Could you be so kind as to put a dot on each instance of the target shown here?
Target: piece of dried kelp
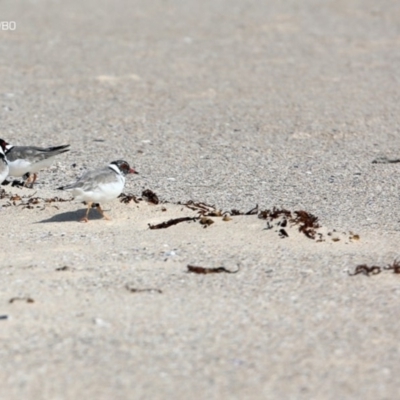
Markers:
(235, 212)
(171, 222)
(64, 268)
(150, 196)
(26, 299)
(202, 270)
(136, 290)
(127, 198)
(386, 160)
(395, 267)
(366, 270)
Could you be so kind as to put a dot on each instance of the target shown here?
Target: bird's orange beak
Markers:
(132, 171)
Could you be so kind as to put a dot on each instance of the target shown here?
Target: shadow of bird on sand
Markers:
(71, 216)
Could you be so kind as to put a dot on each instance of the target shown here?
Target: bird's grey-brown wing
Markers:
(35, 154)
(91, 179)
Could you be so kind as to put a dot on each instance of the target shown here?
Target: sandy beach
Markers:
(221, 107)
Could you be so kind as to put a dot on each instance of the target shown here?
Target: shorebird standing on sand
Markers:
(100, 185)
(26, 161)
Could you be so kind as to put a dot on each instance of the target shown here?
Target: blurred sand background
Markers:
(234, 103)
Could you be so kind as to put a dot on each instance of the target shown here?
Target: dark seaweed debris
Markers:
(395, 267)
(366, 270)
(136, 290)
(307, 222)
(26, 299)
(375, 269)
(386, 160)
(150, 196)
(172, 222)
(127, 198)
(64, 268)
(30, 201)
(202, 270)
(147, 195)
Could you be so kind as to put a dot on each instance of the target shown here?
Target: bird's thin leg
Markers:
(85, 218)
(102, 213)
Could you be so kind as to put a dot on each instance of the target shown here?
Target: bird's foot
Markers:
(100, 210)
(84, 219)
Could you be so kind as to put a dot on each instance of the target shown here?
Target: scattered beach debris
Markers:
(394, 266)
(127, 198)
(147, 195)
(150, 196)
(385, 160)
(366, 270)
(30, 201)
(375, 269)
(307, 223)
(171, 222)
(281, 219)
(26, 299)
(64, 268)
(202, 270)
(136, 290)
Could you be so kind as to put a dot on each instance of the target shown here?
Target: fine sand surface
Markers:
(232, 103)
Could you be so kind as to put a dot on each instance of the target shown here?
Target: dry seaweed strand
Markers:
(172, 222)
(26, 299)
(201, 270)
(64, 268)
(375, 269)
(136, 290)
(366, 270)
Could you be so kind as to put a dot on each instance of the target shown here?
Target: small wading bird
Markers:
(26, 161)
(3, 166)
(100, 185)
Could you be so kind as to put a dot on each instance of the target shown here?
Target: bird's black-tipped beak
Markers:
(132, 171)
